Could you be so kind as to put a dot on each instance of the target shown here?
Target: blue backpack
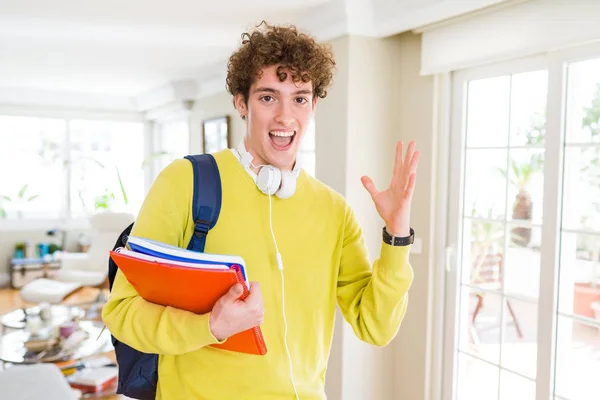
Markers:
(138, 372)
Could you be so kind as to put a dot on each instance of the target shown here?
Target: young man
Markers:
(303, 246)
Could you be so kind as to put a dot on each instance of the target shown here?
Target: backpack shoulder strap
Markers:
(206, 203)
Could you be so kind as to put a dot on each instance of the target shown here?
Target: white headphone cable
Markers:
(280, 267)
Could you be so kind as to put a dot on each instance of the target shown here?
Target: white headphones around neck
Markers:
(270, 180)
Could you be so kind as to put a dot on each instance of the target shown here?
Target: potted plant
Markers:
(522, 208)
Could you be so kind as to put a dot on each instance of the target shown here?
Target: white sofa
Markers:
(81, 269)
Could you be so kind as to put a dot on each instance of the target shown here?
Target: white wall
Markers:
(213, 106)
(331, 125)
(367, 370)
(414, 118)
(379, 98)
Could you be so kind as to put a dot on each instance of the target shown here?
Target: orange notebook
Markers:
(194, 289)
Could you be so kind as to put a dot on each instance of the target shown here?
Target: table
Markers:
(17, 319)
(24, 270)
(12, 349)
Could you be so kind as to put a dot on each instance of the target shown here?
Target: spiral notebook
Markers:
(189, 282)
(173, 253)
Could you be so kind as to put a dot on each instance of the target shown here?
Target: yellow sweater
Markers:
(325, 263)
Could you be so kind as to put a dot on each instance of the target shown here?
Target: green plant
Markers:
(21, 198)
(591, 120)
(522, 207)
(104, 201)
(125, 198)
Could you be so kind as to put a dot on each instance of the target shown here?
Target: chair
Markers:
(81, 269)
(487, 274)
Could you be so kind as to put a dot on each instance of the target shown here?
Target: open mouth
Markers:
(282, 140)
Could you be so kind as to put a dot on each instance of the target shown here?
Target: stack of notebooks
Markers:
(188, 280)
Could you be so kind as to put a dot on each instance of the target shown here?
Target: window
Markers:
(32, 182)
(172, 141)
(523, 301)
(56, 168)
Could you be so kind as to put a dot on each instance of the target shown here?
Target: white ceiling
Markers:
(129, 47)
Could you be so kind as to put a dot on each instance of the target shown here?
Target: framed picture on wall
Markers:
(215, 134)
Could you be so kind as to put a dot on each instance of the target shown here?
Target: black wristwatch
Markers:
(398, 241)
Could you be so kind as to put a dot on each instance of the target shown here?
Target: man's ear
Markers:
(314, 103)
(240, 105)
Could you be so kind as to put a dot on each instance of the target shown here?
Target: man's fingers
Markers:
(415, 161)
(410, 151)
(369, 185)
(254, 292)
(235, 292)
(410, 186)
(398, 159)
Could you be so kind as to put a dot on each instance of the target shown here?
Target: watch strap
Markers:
(398, 240)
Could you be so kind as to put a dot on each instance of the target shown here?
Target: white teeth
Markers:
(282, 134)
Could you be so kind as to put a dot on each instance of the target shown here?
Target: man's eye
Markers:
(301, 100)
(267, 98)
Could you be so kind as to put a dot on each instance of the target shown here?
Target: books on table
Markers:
(188, 280)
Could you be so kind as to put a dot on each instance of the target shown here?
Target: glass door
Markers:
(577, 368)
(523, 279)
(501, 178)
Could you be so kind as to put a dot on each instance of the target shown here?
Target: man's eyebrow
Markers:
(266, 89)
(275, 91)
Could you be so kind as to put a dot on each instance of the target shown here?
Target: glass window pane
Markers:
(519, 348)
(577, 360)
(488, 105)
(515, 387)
(106, 166)
(581, 202)
(485, 183)
(172, 142)
(33, 178)
(215, 133)
(521, 266)
(483, 258)
(480, 324)
(579, 285)
(526, 189)
(583, 102)
(477, 380)
(528, 108)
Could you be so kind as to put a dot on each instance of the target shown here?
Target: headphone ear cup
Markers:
(288, 185)
(268, 179)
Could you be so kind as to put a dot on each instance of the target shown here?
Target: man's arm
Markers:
(373, 299)
(146, 326)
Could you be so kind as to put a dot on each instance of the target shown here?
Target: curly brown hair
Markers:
(305, 58)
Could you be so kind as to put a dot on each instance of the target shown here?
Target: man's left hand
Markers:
(393, 204)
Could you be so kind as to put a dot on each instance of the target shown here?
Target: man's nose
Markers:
(284, 115)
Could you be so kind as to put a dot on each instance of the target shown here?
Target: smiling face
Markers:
(277, 115)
